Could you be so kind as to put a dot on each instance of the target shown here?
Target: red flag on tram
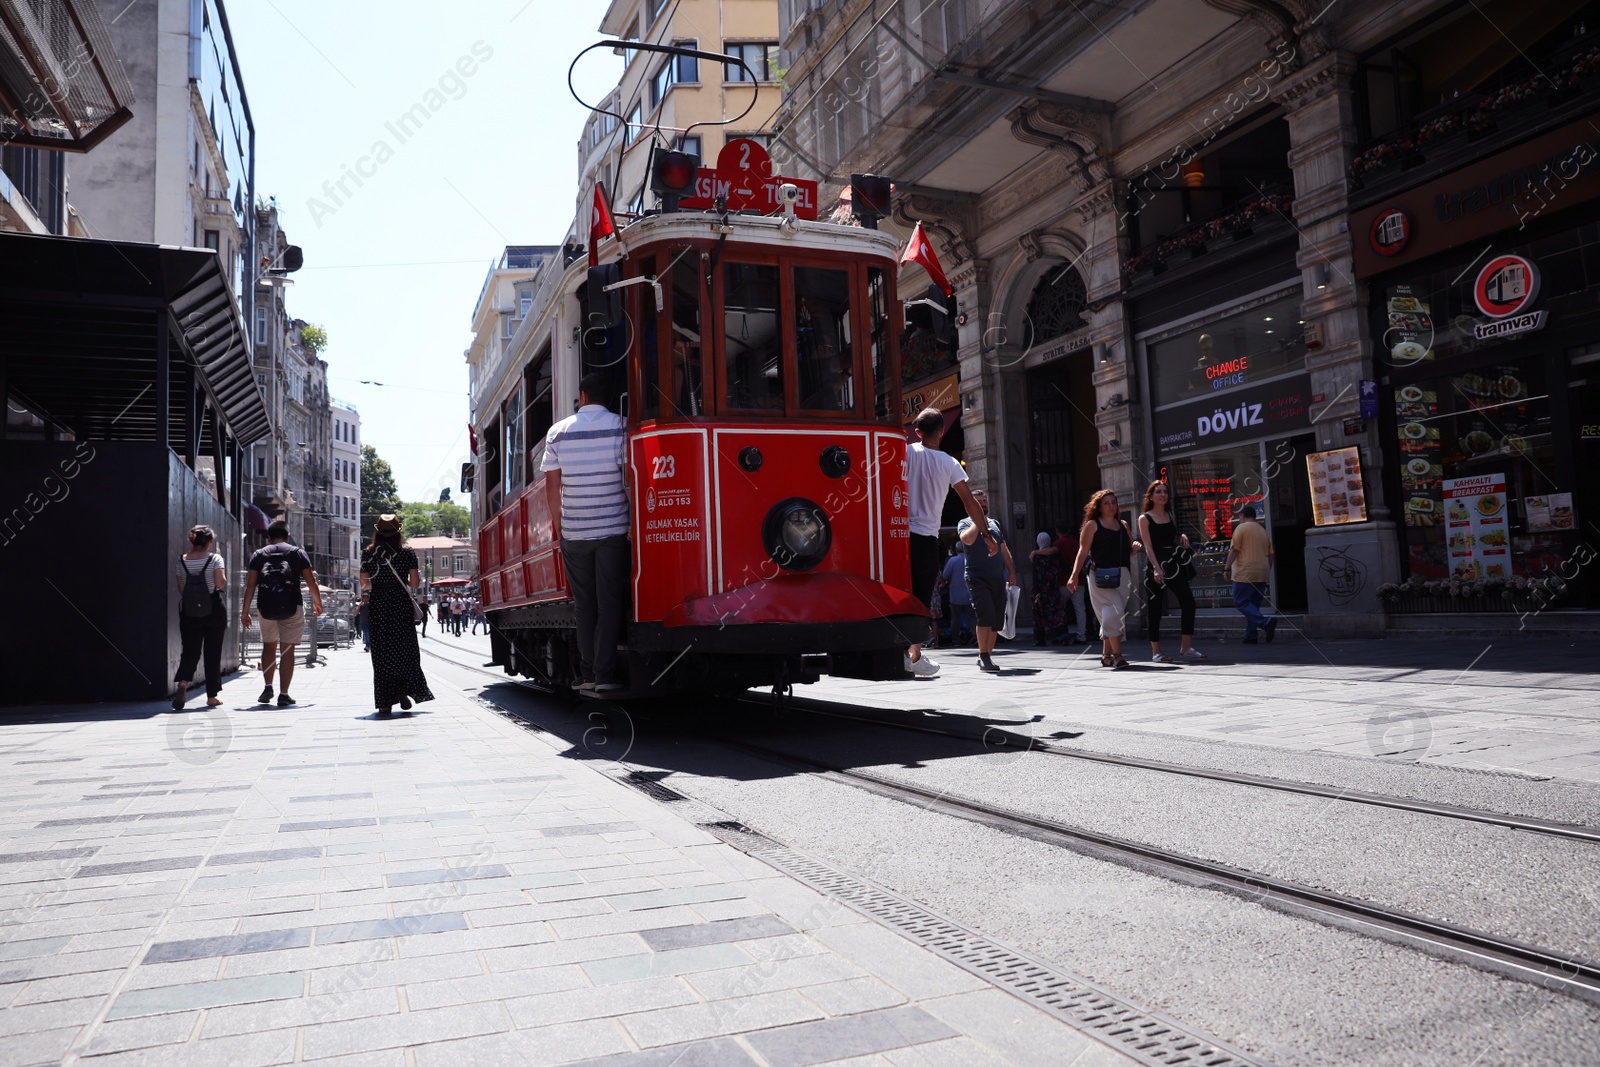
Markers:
(599, 223)
(919, 250)
(472, 437)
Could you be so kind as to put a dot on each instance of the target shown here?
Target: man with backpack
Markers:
(277, 571)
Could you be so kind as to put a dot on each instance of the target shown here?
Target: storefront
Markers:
(1483, 295)
(1231, 422)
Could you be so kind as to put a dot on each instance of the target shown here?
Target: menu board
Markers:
(1550, 513)
(1409, 337)
(1337, 494)
(1421, 467)
(1478, 536)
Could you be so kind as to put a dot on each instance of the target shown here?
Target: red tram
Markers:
(756, 358)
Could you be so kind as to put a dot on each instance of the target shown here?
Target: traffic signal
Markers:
(672, 176)
(869, 198)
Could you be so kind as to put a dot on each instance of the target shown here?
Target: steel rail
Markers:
(1546, 967)
(1570, 831)
(1531, 963)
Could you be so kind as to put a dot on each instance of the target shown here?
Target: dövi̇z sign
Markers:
(1268, 410)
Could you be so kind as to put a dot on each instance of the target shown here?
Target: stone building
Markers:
(1156, 243)
(344, 496)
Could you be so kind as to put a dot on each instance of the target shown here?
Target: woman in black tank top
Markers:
(1167, 550)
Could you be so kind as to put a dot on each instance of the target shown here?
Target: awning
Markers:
(450, 582)
(82, 320)
(61, 83)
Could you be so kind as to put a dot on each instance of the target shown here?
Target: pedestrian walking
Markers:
(202, 575)
(1049, 594)
(442, 610)
(425, 611)
(1108, 545)
(1167, 549)
(1249, 568)
(1074, 602)
(363, 610)
(930, 475)
(988, 575)
(389, 577)
(958, 597)
(458, 613)
(278, 569)
(583, 459)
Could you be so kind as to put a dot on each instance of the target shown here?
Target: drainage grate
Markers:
(652, 788)
(1132, 1030)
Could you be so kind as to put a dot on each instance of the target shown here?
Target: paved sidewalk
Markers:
(264, 886)
(1529, 707)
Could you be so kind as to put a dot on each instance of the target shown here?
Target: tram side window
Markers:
(649, 316)
(822, 339)
(514, 450)
(537, 407)
(684, 399)
(880, 340)
(491, 468)
(753, 345)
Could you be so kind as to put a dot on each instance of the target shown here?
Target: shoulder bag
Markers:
(416, 609)
(1108, 576)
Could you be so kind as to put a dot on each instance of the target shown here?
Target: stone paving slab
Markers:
(256, 886)
(1519, 705)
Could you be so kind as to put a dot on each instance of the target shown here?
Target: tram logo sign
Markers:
(744, 175)
(1504, 290)
(1390, 233)
(1507, 285)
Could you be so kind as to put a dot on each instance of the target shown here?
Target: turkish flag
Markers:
(919, 250)
(599, 223)
(472, 437)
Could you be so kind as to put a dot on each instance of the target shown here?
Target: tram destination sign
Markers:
(744, 175)
(1271, 409)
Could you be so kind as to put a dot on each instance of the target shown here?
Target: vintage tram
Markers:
(755, 358)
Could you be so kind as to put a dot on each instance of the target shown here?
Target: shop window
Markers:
(1056, 304)
(753, 347)
(1240, 350)
(825, 356)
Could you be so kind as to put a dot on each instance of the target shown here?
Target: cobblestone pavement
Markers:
(1514, 705)
(264, 886)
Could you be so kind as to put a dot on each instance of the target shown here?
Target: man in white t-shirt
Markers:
(930, 475)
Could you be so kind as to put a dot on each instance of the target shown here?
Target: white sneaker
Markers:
(922, 668)
(1193, 653)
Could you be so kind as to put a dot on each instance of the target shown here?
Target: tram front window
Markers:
(822, 339)
(684, 398)
(753, 346)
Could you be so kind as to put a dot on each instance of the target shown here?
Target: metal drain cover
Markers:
(1135, 1031)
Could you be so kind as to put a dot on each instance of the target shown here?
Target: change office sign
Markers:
(1271, 409)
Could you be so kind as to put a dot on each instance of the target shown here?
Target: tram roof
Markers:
(751, 229)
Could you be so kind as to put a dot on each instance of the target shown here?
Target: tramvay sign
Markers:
(1274, 409)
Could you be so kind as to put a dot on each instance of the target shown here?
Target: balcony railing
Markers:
(1236, 223)
(1515, 102)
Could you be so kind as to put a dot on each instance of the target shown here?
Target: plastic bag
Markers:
(1013, 600)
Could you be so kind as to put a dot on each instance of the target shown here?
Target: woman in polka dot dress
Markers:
(389, 573)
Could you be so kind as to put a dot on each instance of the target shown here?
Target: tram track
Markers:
(1025, 743)
(1547, 968)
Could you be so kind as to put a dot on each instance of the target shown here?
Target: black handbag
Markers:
(1108, 577)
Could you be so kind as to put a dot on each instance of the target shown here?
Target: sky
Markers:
(393, 267)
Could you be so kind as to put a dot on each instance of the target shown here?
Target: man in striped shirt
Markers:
(583, 462)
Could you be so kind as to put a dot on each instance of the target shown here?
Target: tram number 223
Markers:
(663, 467)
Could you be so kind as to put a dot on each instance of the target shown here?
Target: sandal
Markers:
(1105, 659)
(1122, 664)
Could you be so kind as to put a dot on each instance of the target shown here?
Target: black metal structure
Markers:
(130, 369)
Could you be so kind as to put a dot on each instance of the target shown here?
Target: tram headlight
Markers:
(797, 534)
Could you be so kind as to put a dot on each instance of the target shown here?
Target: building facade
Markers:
(344, 495)
(182, 171)
(1187, 267)
(445, 557)
(670, 100)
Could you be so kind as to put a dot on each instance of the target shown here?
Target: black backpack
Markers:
(197, 599)
(279, 583)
